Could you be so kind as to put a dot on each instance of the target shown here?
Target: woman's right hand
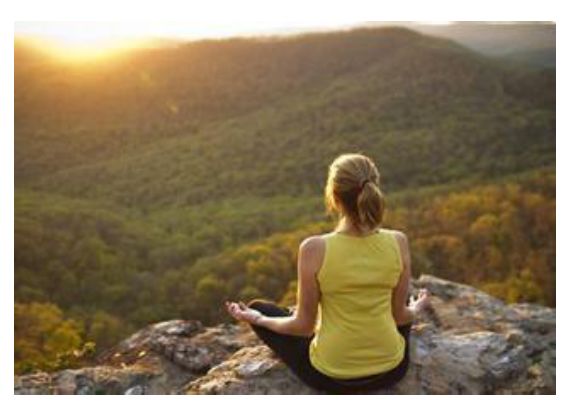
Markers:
(241, 312)
(420, 302)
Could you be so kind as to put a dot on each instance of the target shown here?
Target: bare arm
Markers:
(400, 311)
(302, 322)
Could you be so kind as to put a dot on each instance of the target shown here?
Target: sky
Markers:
(101, 33)
(84, 32)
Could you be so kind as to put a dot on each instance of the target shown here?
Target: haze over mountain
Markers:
(533, 43)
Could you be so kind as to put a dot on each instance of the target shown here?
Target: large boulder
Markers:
(467, 343)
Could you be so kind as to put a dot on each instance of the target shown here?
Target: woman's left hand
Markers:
(241, 312)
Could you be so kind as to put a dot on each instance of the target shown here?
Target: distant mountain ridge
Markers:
(533, 43)
(379, 88)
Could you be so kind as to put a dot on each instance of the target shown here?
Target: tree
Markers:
(44, 338)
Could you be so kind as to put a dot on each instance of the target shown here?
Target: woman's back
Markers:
(351, 293)
(356, 334)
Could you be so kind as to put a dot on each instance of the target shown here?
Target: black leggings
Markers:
(294, 352)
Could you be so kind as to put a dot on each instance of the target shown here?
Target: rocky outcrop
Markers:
(159, 359)
(467, 343)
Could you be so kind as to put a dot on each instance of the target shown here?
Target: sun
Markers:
(81, 42)
(85, 49)
(89, 51)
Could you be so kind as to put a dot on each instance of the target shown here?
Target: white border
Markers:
(282, 14)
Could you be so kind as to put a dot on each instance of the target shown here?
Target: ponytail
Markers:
(353, 190)
(370, 205)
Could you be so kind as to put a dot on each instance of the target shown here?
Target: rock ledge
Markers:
(468, 343)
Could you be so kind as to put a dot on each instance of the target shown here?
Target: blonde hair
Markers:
(353, 190)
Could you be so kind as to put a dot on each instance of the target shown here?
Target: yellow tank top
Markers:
(356, 334)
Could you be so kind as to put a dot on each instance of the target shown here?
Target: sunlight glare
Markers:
(84, 49)
(80, 42)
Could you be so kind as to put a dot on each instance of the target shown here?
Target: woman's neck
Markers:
(345, 226)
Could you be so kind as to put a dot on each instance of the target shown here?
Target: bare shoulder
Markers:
(402, 240)
(313, 244)
(400, 236)
(312, 251)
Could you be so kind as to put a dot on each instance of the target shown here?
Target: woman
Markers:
(357, 277)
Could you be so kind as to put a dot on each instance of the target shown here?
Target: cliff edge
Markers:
(467, 343)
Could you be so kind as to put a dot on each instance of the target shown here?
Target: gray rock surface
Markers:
(159, 359)
(467, 343)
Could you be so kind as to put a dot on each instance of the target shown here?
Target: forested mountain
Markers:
(397, 94)
(157, 183)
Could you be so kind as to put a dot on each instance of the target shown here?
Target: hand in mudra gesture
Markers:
(241, 312)
(420, 302)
